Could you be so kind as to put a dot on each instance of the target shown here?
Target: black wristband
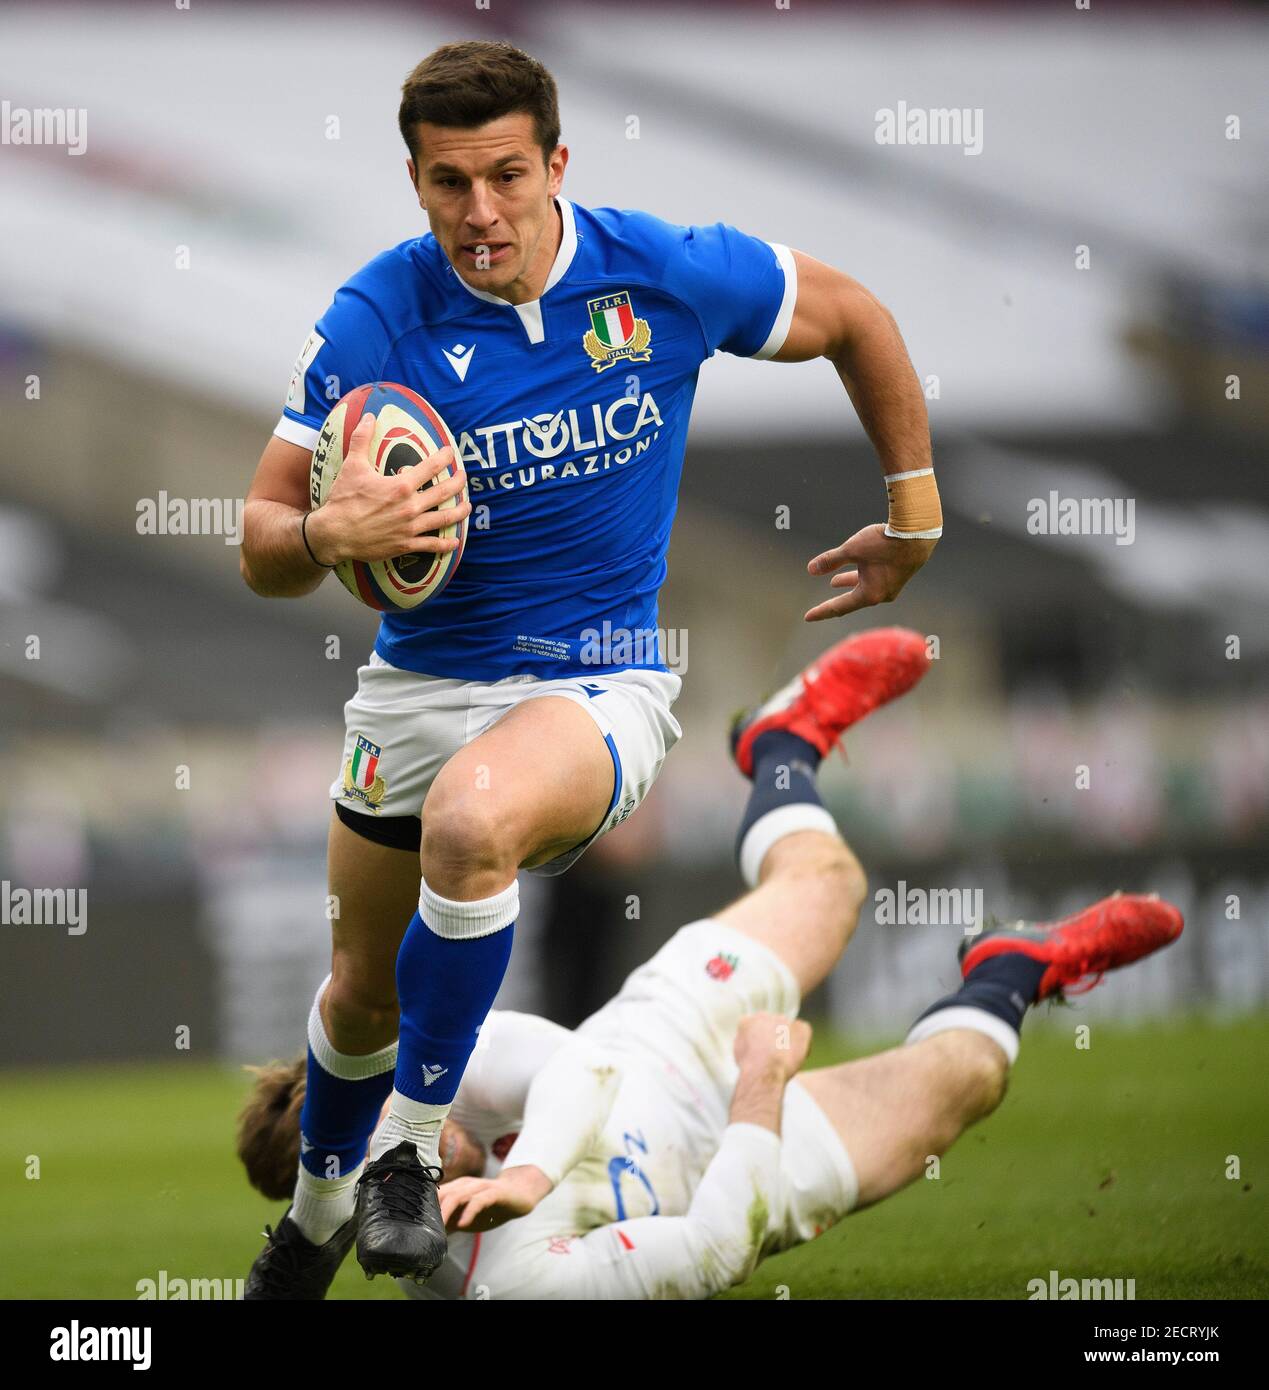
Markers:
(309, 548)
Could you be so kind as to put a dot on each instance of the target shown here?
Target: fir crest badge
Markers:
(615, 335)
(361, 774)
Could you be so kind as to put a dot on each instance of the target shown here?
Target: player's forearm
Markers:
(274, 560)
(874, 366)
(759, 1097)
(566, 1109)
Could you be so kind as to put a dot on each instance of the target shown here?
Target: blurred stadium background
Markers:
(258, 144)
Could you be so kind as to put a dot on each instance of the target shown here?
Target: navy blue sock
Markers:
(784, 768)
(340, 1112)
(448, 973)
(1003, 985)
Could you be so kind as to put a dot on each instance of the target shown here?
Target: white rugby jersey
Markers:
(648, 1202)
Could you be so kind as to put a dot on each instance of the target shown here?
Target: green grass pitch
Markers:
(1103, 1163)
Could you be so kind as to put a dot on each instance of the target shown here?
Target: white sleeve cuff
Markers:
(295, 433)
(784, 317)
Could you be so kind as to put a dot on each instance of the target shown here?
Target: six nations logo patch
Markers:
(615, 335)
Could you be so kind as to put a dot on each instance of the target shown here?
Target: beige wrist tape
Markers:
(915, 510)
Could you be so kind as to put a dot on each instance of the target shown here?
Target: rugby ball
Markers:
(407, 430)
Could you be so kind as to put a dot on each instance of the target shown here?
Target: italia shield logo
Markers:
(361, 774)
(615, 334)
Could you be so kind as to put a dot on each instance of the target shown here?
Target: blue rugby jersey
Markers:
(571, 415)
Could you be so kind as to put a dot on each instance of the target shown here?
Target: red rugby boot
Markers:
(1110, 934)
(851, 679)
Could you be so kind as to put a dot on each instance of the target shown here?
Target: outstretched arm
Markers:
(835, 317)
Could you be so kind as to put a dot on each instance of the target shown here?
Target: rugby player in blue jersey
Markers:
(524, 711)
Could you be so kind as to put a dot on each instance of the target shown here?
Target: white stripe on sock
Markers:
(966, 1016)
(344, 1065)
(463, 921)
(774, 826)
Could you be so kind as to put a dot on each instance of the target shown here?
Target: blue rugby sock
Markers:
(449, 969)
(343, 1095)
(993, 1000)
(784, 798)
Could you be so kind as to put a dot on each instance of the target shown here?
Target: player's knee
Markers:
(469, 829)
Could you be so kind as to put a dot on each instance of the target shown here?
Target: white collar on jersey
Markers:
(531, 313)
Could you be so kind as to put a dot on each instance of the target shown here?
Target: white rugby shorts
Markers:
(683, 1008)
(401, 728)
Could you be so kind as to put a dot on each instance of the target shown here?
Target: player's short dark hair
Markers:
(468, 84)
(269, 1128)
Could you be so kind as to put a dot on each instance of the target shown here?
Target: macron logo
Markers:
(433, 1072)
(459, 357)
